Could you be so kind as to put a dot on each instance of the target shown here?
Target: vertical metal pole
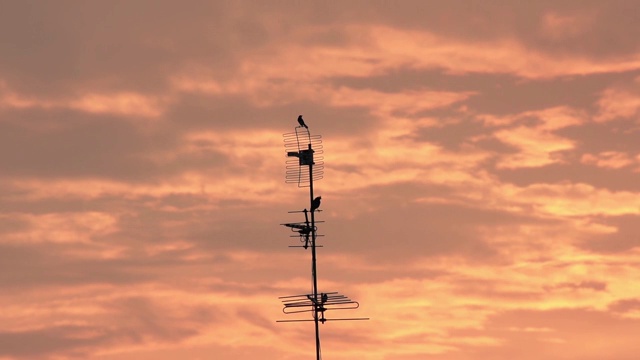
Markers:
(313, 257)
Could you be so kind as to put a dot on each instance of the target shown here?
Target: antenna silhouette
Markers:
(307, 149)
(306, 168)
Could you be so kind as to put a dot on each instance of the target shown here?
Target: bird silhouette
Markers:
(315, 204)
(301, 122)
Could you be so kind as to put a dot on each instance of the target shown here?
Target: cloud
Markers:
(564, 26)
(122, 103)
(626, 307)
(621, 101)
(609, 159)
(128, 322)
(538, 143)
(479, 195)
(59, 228)
(575, 199)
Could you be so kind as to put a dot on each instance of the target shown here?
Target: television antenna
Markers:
(304, 166)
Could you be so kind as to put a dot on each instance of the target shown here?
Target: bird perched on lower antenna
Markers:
(315, 204)
(301, 122)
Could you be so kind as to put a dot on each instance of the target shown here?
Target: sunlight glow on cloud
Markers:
(122, 103)
(502, 56)
(536, 147)
(575, 199)
(557, 26)
(538, 144)
(60, 228)
(616, 103)
(610, 159)
(480, 190)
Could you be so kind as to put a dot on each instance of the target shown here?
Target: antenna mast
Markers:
(306, 167)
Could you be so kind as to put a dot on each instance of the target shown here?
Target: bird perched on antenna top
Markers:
(315, 204)
(301, 122)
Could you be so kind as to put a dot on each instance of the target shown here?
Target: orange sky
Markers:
(480, 195)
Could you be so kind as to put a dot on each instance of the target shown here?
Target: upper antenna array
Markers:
(308, 151)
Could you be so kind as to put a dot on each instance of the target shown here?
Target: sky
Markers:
(480, 194)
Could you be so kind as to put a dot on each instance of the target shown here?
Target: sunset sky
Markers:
(481, 192)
